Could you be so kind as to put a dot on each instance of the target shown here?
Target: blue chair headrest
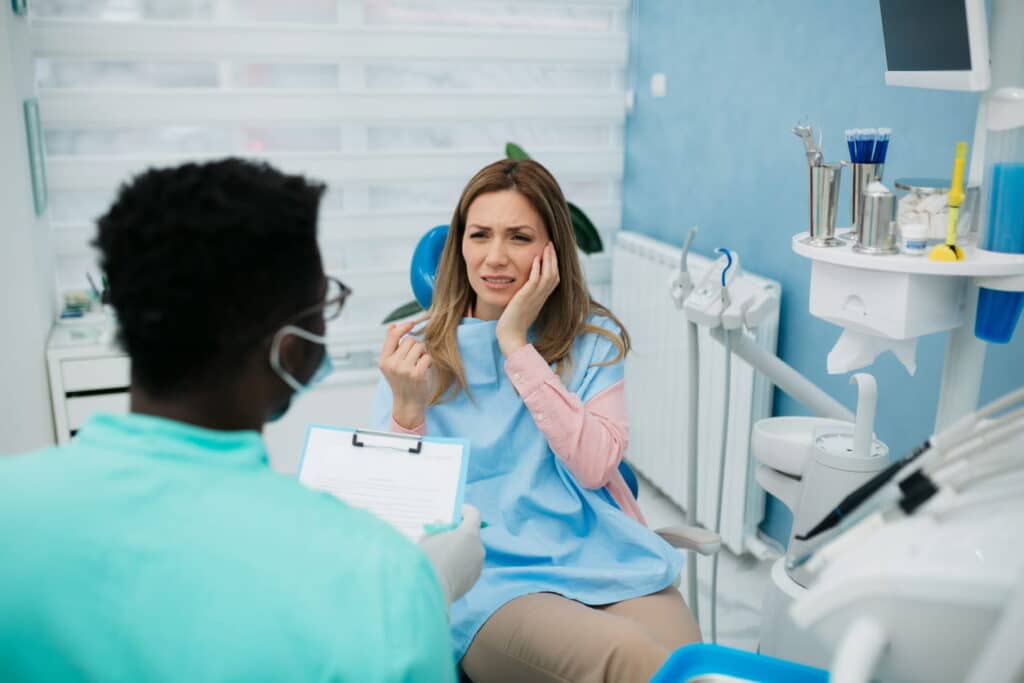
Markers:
(425, 259)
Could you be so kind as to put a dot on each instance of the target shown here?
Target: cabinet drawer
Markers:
(80, 408)
(89, 374)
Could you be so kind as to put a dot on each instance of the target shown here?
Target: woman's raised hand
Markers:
(526, 305)
(404, 361)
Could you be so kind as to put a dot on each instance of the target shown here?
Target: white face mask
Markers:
(326, 365)
(330, 309)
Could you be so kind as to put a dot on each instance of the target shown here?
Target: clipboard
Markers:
(408, 481)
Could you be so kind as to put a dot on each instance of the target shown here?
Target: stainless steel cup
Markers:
(877, 228)
(863, 175)
(824, 198)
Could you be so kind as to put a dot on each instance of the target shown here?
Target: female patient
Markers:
(517, 358)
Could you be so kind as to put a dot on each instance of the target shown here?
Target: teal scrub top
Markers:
(151, 550)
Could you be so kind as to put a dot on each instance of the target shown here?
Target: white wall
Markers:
(26, 269)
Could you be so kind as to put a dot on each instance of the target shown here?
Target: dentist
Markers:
(159, 545)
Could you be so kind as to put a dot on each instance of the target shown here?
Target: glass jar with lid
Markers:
(924, 201)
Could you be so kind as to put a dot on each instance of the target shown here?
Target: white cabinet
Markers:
(89, 374)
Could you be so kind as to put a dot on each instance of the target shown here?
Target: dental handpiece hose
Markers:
(721, 483)
(692, 348)
(685, 285)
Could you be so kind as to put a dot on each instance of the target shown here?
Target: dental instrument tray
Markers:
(899, 296)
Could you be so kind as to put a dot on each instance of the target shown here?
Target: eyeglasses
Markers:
(334, 299)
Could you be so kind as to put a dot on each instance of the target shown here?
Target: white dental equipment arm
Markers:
(867, 396)
(709, 305)
(728, 304)
(1002, 658)
(952, 505)
(785, 377)
(742, 303)
(681, 283)
(858, 653)
(946, 447)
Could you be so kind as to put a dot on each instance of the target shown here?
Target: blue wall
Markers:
(718, 152)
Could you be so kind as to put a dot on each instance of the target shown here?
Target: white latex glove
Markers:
(457, 555)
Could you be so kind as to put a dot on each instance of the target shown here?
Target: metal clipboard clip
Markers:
(417, 449)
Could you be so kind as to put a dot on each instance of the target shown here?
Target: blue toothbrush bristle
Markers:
(880, 150)
(868, 145)
(883, 145)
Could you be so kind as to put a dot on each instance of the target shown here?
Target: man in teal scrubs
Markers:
(160, 545)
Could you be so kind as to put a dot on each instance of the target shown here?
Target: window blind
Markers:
(393, 103)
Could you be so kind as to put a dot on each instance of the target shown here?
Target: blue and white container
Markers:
(999, 311)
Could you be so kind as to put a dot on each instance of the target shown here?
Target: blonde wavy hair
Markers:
(564, 315)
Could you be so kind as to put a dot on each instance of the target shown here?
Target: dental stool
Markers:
(422, 276)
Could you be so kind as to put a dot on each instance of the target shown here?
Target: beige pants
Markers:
(546, 637)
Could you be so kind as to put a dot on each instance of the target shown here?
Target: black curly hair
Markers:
(203, 262)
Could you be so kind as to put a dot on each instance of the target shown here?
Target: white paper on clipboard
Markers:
(377, 472)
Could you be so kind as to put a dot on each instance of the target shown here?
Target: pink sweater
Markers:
(590, 438)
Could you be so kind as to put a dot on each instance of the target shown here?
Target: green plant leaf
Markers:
(403, 311)
(587, 237)
(515, 152)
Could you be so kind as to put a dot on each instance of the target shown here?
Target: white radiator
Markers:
(656, 390)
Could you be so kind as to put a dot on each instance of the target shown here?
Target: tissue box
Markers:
(890, 304)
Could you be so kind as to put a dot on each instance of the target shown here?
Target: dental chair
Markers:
(423, 275)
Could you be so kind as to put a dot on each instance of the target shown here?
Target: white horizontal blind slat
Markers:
(63, 38)
(340, 229)
(75, 173)
(84, 108)
(544, 13)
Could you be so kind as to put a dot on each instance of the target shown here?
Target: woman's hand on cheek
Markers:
(526, 305)
(404, 362)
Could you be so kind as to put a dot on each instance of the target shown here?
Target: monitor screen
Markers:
(926, 35)
(935, 43)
